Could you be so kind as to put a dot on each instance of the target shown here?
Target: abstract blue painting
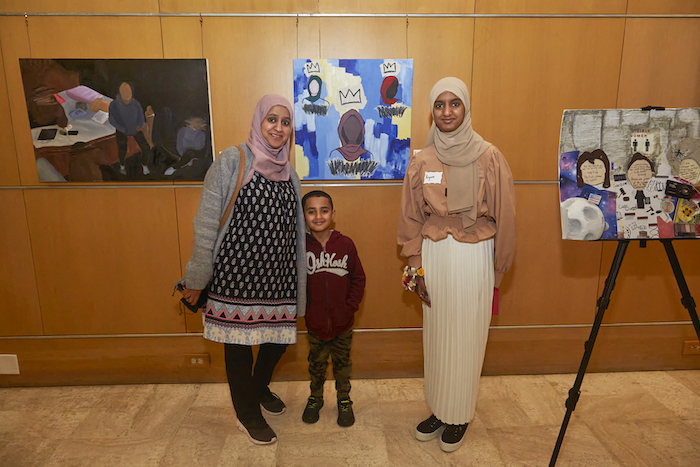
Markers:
(352, 118)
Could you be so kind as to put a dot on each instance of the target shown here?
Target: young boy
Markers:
(336, 284)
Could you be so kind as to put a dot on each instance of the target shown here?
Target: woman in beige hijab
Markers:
(457, 229)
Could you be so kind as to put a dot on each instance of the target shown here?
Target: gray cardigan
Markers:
(219, 185)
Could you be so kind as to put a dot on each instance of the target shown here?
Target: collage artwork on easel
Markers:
(630, 174)
(352, 118)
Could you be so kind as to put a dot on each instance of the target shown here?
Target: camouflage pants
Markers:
(339, 350)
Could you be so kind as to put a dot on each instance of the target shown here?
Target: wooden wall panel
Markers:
(395, 6)
(673, 7)
(552, 281)
(83, 6)
(9, 172)
(182, 37)
(308, 38)
(522, 73)
(187, 200)
(646, 288)
(527, 71)
(19, 312)
(248, 58)
(661, 63)
(105, 259)
(239, 6)
(15, 45)
(100, 37)
(369, 216)
(363, 38)
(431, 63)
(552, 6)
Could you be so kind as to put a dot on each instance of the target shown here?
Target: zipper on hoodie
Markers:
(325, 295)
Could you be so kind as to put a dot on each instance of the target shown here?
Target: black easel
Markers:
(603, 301)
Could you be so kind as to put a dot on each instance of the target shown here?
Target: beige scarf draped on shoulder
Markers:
(460, 150)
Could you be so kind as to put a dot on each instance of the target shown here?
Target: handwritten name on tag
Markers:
(432, 178)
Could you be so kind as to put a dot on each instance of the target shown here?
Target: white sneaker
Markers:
(169, 171)
(145, 170)
(122, 170)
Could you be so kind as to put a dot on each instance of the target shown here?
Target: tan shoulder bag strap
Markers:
(239, 182)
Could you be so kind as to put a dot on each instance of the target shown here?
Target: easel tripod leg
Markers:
(686, 298)
(603, 303)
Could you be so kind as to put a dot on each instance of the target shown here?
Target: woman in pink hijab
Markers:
(254, 263)
(457, 229)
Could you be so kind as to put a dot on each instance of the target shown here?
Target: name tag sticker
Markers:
(432, 178)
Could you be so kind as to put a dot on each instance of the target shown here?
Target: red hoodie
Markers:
(335, 286)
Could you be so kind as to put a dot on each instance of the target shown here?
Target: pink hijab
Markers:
(271, 163)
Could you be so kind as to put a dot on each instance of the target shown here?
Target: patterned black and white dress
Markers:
(253, 293)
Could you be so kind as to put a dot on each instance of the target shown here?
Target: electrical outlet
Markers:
(691, 348)
(9, 365)
(197, 360)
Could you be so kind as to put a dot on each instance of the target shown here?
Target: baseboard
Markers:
(376, 354)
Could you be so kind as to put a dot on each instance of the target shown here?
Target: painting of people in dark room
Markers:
(112, 120)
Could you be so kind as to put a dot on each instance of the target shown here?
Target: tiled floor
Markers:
(628, 419)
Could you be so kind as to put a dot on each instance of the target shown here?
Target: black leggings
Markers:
(248, 384)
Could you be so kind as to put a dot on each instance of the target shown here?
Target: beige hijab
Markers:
(459, 149)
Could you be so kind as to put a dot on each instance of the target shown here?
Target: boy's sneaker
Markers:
(452, 437)
(313, 406)
(272, 404)
(345, 415)
(263, 435)
(429, 429)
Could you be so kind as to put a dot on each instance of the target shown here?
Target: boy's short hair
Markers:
(316, 194)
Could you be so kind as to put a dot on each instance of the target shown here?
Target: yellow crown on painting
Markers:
(350, 97)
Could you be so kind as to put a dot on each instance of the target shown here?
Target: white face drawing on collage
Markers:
(689, 170)
(639, 173)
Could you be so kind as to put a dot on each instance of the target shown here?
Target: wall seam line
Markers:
(471, 78)
(34, 261)
(359, 331)
(162, 42)
(12, 123)
(29, 41)
(622, 56)
(179, 254)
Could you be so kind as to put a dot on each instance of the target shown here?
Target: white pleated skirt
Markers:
(459, 278)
